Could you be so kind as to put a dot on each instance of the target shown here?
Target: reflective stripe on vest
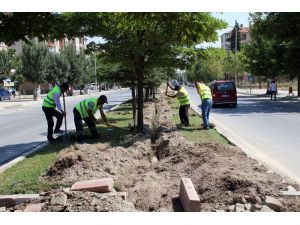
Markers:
(184, 98)
(82, 107)
(205, 92)
(48, 100)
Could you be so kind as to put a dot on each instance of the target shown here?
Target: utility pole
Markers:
(235, 50)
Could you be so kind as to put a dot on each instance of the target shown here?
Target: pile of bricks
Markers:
(104, 185)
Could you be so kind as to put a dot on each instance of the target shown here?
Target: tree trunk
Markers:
(151, 92)
(133, 105)
(147, 94)
(140, 85)
(35, 92)
(259, 81)
(71, 92)
(298, 84)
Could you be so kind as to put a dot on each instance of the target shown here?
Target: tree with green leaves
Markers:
(282, 30)
(75, 65)
(210, 66)
(148, 38)
(55, 66)
(8, 61)
(234, 65)
(32, 60)
(235, 38)
(15, 26)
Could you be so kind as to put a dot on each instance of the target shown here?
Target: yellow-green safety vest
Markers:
(184, 98)
(205, 92)
(49, 100)
(82, 107)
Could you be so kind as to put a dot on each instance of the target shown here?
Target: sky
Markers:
(230, 18)
(240, 17)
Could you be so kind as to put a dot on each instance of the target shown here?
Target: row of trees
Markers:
(146, 47)
(40, 65)
(145, 42)
(274, 51)
(217, 64)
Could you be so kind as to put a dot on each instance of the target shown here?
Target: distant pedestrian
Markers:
(184, 102)
(13, 93)
(273, 90)
(206, 99)
(291, 91)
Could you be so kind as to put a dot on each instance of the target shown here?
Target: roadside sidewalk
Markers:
(255, 91)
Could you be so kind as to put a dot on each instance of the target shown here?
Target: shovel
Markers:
(66, 131)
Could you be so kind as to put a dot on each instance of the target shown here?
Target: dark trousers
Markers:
(273, 93)
(79, 126)
(184, 114)
(50, 113)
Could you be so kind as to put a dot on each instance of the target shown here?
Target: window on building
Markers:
(243, 36)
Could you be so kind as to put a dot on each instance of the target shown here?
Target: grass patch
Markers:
(194, 132)
(24, 177)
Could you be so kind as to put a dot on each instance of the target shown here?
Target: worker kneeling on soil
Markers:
(184, 101)
(85, 110)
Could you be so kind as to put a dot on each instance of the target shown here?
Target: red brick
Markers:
(13, 200)
(34, 207)
(99, 185)
(188, 196)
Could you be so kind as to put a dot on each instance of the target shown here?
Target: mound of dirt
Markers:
(66, 160)
(222, 175)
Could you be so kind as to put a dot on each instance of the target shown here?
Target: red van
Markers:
(223, 93)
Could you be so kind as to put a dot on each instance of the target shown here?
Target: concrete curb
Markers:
(248, 148)
(23, 156)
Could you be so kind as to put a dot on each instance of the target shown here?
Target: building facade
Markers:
(245, 37)
(28, 87)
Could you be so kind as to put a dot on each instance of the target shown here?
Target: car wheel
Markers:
(213, 106)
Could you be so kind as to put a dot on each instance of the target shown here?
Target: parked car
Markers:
(223, 93)
(4, 94)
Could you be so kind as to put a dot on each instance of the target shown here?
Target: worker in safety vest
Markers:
(85, 110)
(184, 102)
(206, 99)
(50, 102)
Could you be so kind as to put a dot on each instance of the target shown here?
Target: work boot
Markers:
(51, 140)
(95, 136)
(58, 131)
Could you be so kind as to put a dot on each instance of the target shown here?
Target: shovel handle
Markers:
(65, 114)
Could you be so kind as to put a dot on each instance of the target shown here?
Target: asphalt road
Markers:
(23, 128)
(267, 130)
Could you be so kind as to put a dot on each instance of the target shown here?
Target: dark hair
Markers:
(65, 86)
(177, 87)
(104, 98)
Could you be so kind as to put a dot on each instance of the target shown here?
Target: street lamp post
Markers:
(96, 74)
(235, 50)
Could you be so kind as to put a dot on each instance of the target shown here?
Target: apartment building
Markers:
(245, 37)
